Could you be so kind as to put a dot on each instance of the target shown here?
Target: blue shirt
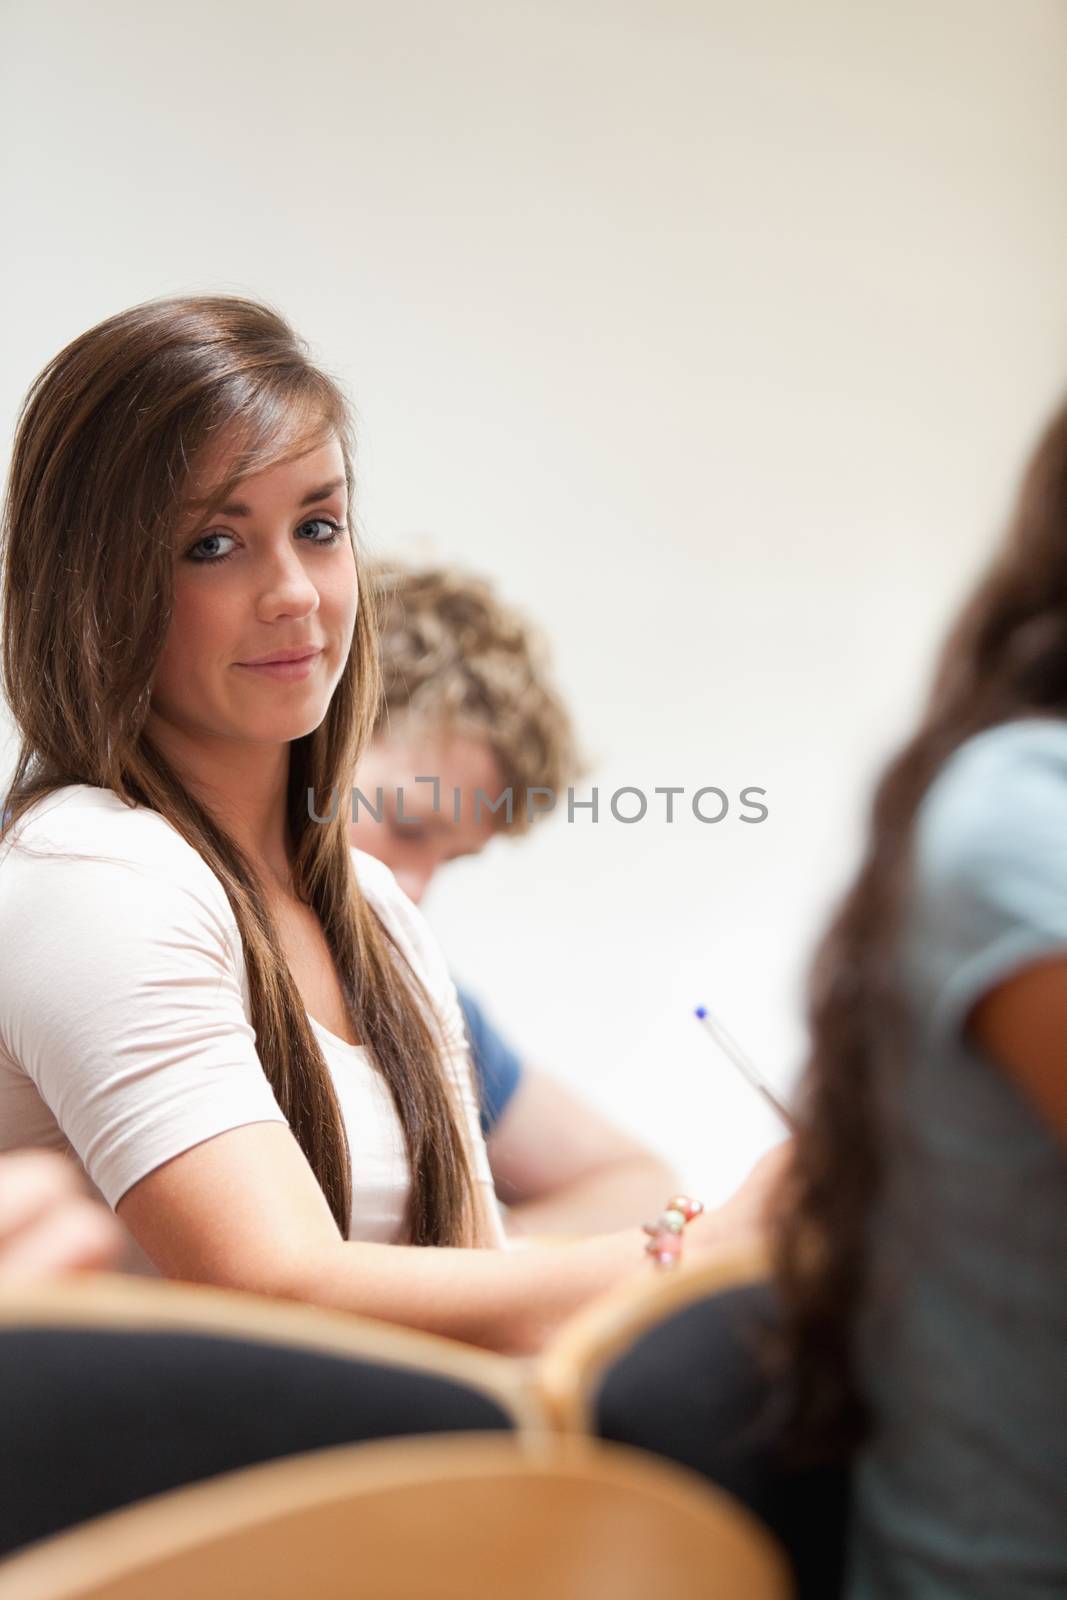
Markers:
(961, 1493)
(497, 1066)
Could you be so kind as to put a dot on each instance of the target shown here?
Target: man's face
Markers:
(417, 848)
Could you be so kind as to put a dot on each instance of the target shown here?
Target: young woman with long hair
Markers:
(922, 1243)
(240, 1027)
(894, 1402)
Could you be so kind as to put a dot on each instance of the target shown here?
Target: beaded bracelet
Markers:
(665, 1243)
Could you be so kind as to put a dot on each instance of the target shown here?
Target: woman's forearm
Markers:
(630, 1190)
(243, 1211)
(508, 1301)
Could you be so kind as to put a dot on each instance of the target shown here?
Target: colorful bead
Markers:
(666, 1250)
(665, 1234)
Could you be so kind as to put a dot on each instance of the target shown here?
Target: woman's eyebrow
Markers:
(238, 508)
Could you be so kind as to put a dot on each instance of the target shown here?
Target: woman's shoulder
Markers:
(81, 822)
(998, 762)
(1001, 795)
(1006, 744)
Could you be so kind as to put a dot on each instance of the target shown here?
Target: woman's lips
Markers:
(284, 671)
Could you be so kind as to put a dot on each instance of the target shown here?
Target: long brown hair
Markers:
(103, 454)
(1005, 658)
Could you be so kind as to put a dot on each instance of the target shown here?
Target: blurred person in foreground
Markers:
(908, 1441)
(924, 1227)
(923, 1241)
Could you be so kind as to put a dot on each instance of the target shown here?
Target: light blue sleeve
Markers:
(990, 868)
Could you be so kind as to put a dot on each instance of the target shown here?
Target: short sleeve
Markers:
(990, 867)
(120, 999)
(497, 1066)
(415, 939)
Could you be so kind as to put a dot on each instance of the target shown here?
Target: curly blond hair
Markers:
(457, 659)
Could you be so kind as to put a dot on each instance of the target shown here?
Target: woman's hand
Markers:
(47, 1224)
(743, 1218)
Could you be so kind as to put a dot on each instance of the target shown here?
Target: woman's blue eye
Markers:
(212, 557)
(324, 522)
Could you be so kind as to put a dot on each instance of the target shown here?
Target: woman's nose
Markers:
(287, 589)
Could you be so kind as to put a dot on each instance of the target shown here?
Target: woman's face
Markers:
(412, 838)
(270, 575)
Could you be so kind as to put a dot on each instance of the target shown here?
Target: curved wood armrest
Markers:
(126, 1303)
(573, 1359)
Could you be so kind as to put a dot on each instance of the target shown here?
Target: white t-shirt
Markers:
(125, 1018)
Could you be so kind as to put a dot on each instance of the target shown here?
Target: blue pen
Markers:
(745, 1066)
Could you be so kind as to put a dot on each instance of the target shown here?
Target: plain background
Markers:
(716, 333)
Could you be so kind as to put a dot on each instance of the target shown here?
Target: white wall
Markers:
(716, 332)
